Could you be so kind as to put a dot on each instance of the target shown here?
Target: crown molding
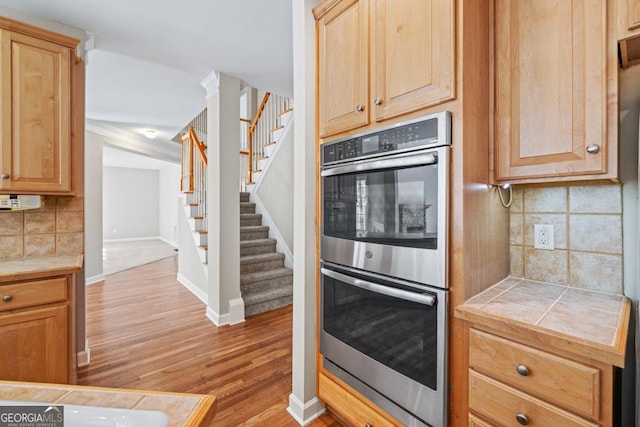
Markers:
(211, 84)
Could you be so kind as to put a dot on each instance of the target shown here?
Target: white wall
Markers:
(130, 203)
(169, 193)
(191, 272)
(275, 189)
(304, 405)
(93, 208)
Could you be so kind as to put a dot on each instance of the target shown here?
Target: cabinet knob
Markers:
(359, 107)
(593, 148)
(7, 298)
(377, 101)
(4, 175)
(368, 425)
(522, 419)
(522, 370)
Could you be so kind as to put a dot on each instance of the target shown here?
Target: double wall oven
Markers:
(383, 256)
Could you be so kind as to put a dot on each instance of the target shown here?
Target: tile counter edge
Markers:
(17, 269)
(611, 353)
(203, 412)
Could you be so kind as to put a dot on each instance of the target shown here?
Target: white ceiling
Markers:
(150, 56)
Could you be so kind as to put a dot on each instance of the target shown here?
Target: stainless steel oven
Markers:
(383, 308)
(384, 200)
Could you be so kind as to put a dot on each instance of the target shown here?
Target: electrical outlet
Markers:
(543, 236)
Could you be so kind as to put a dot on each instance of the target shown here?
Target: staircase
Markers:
(265, 283)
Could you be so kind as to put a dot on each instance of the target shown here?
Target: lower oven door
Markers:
(388, 335)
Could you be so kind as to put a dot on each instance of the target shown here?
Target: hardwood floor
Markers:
(147, 332)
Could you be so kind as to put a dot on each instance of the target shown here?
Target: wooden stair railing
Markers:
(252, 161)
(259, 133)
(193, 180)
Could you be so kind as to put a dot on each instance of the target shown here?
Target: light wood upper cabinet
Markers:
(343, 67)
(628, 18)
(36, 114)
(555, 91)
(379, 59)
(412, 55)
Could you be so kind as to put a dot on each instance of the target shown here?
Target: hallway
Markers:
(146, 331)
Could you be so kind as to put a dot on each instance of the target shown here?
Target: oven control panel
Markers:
(424, 132)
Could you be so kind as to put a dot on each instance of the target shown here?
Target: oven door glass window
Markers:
(397, 333)
(393, 206)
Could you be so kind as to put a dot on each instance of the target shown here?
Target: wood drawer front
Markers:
(567, 383)
(28, 294)
(477, 422)
(501, 404)
(349, 406)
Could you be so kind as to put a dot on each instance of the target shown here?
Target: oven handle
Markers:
(401, 160)
(424, 299)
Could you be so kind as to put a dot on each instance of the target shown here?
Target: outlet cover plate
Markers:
(543, 237)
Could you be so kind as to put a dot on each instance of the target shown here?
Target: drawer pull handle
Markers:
(522, 370)
(593, 148)
(522, 419)
(7, 298)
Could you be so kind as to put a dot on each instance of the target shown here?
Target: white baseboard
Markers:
(168, 242)
(304, 413)
(236, 311)
(84, 356)
(217, 319)
(134, 239)
(199, 293)
(94, 279)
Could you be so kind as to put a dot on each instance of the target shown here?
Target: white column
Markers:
(304, 405)
(224, 305)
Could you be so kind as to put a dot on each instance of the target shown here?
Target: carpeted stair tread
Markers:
(252, 228)
(268, 306)
(260, 276)
(257, 246)
(244, 197)
(267, 295)
(251, 215)
(253, 232)
(250, 259)
(258, 242)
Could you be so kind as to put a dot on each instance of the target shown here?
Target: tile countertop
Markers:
(181, 409)
(37, 267)
(588, 323)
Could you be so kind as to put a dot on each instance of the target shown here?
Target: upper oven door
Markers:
(388, 215)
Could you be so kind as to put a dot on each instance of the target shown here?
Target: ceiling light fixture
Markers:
(150, 133)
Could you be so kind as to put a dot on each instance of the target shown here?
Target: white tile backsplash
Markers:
(587, 223)
(595, 199)
(552, 199)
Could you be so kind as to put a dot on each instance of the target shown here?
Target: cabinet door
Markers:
(628, 18)
(550, 88)
(36, 133)
(412, 63)
(343, 69)
(34, 345)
